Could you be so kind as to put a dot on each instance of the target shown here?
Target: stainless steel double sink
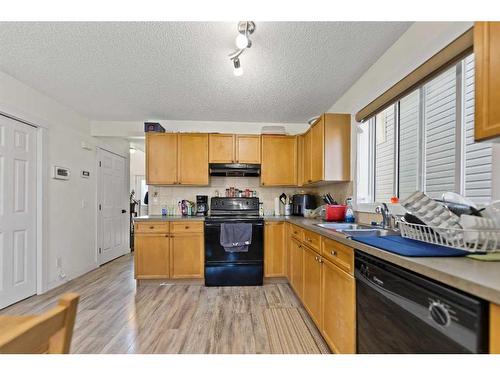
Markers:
(356, 229)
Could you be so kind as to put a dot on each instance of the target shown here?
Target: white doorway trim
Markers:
(123, 205)
(41, 193)
(40, 204)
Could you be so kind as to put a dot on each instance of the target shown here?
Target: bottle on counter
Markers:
(349, 213)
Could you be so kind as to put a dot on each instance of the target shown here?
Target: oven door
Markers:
(214, 252)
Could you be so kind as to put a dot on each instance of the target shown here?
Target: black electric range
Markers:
(223, 268)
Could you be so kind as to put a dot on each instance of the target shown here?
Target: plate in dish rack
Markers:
(433, 214)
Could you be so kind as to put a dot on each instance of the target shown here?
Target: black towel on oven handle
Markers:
(235, 237)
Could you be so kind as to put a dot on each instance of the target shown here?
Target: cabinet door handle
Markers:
(333, 252)
(151, 227)
(167, 235)
(320, 260)
(186, 227)
(317, 259)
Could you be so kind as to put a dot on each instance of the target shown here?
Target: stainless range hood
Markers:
(234, 170)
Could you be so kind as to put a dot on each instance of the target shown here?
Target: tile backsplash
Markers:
(160, 196)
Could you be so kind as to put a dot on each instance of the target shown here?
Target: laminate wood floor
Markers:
(115, 316)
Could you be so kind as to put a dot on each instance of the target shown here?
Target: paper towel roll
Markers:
(276, 206)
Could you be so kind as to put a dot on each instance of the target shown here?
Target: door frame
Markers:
(98, 192)
(41, 164)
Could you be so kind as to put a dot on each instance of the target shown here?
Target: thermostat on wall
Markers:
(61, 173)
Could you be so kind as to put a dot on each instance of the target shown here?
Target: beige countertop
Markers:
(472, 276)
(476, 277)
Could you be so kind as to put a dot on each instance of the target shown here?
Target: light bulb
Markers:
(238, 70)
(241, 41)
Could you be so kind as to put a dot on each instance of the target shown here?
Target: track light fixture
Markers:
(245, 28)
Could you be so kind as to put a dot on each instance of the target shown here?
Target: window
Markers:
(425, 142)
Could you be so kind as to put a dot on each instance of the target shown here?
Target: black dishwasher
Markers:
(398, 311)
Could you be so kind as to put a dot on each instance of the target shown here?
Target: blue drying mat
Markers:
(409, 248)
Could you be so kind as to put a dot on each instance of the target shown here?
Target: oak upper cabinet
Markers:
(494, 329)
(317, 154)
(312, 284)
(300, 159)
(487, 80)
(161, 158)
(306, 162)
(221, 148)
(327, 149)
(274, 249)
(297, 267)
(193, 159)
(151, 251)
(338, 311)
(247, 149)
(279, 160)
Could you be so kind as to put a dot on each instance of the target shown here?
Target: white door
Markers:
(17, 211)
(113, 211)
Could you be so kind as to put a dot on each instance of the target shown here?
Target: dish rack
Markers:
(471, 240)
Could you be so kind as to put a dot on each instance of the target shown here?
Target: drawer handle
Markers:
(151, 227)
(167, 235)
(333, 252)
(186, 227)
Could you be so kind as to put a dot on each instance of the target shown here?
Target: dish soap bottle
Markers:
(349, 213)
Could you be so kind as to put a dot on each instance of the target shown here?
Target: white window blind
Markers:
(427, 144)
(409, 133)
(384, 155)
(478, 156)
(440, 135)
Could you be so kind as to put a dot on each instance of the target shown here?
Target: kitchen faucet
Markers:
(386, 215)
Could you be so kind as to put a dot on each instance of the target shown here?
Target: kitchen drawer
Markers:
(186, 227)
(313, 240)
(297, 232)
(151, 227)
(339, 254)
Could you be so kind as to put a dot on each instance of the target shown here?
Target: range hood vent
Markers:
(234, 170)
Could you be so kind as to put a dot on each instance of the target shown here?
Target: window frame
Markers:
(460, 145)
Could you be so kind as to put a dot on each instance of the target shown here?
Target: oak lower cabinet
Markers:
(152, 256)
(338, 311)
(312, 284)
(187, 256)
(494, 328)
(169, 250)
(279, 160)
(297, 267)
(487, 80)
(274, 249)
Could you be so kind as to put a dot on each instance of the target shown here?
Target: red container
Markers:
(335, 212)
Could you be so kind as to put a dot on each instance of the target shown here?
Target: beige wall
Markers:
(170, 195)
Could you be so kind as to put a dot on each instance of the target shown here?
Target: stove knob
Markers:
(439, 314)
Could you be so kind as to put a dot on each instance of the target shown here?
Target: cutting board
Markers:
(409, 248)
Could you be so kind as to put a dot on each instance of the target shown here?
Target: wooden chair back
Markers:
(50, 332)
